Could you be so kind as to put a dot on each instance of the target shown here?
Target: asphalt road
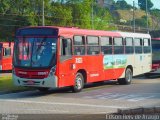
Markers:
(98, 98)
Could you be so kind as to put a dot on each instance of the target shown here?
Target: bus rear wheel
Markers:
(79, 83)
(128, 77)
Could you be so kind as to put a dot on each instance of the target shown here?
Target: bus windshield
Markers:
(35, 52)
(156, 50)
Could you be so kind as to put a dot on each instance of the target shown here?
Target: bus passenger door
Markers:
(66, 76)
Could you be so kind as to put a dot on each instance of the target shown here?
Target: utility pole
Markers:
(147, 15)
(43, 22)
(92, 16)
(133, 16)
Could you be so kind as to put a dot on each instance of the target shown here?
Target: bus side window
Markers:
(138, 45)
(146, 45)
(129, 48)
(7, 51)
(106, 45)
(118, 46)
(66, 49)
(93, 45)
(79, 45)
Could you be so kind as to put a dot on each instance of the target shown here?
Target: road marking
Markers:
(140, 98)
(58, 103)
(20, 92)
(119, 96)
(28, 109)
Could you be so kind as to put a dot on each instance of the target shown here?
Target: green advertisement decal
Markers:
(116, 61)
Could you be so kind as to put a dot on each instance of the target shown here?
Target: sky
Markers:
(156, 3)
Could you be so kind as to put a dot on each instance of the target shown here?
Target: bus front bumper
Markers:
(49, 82)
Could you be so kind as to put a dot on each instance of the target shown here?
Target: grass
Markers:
(6, 85)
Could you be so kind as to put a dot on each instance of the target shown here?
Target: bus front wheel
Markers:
(79, 83)
(128, 77)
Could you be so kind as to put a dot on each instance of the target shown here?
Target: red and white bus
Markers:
(54, 57)
(6, 51)
(155, 56)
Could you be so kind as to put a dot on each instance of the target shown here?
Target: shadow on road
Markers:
(59, 91)
(152, 76)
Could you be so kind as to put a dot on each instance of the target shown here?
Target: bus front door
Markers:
(66, 77)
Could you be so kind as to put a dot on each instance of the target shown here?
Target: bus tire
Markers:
(43, 89)
(79, 83)
(128, 77)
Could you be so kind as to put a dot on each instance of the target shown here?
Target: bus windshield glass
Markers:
(156, 50)
(35, 52)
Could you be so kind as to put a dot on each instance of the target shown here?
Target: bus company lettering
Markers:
(94, 75)
(21, 72)
(79, 60)
(42, 73)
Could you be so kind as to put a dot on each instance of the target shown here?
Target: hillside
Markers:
(125, 17)
(128, 14)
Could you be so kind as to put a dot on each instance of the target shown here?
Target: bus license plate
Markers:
(30, 82)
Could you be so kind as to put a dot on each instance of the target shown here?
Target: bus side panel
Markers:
(138, 66)
(66, 73)
(114, 66)
(147, 62)
(109, 72)
(93, 66)
(7, 63)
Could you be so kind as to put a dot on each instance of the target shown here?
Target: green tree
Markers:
(142, 4)
(81, 12)
(59, 15)
(20, 13)
(122, 5)
(102, 18)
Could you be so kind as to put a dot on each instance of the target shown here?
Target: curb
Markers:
(140, 110)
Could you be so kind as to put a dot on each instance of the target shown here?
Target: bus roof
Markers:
(6, 43)
(135, 35)
(155, 38)
(78, 31)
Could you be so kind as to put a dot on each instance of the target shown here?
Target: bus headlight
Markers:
(52, 71)
(0, 67)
